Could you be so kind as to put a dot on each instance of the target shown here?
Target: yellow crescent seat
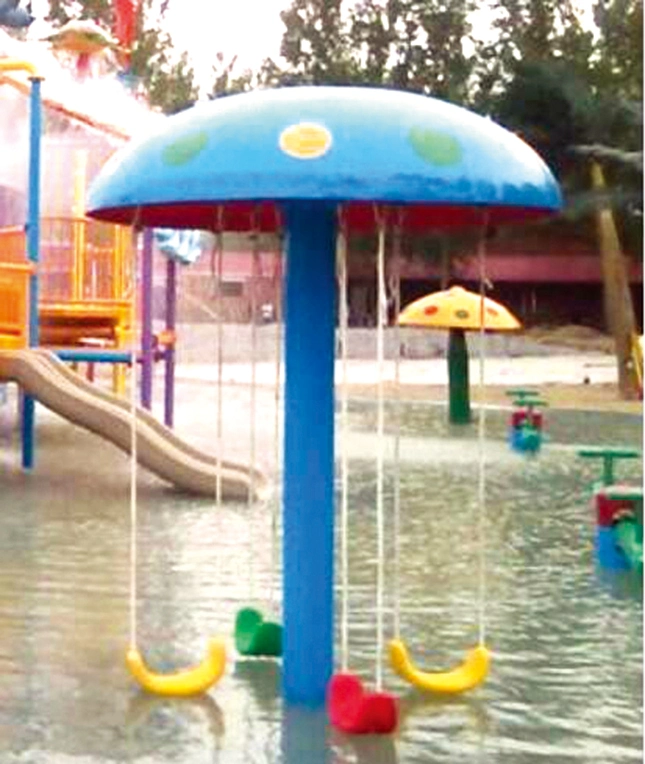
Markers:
(192, 681)
(469, 674)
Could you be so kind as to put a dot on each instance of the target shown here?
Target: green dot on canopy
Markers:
(185, 149)
(435, 146)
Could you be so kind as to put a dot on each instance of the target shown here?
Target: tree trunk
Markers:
(619, 309)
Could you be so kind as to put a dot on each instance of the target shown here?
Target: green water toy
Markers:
(619, 512)
(522, 394)
(629, 537)
(609, 456)
(254, 636)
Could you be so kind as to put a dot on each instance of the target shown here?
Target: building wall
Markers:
(556, 283)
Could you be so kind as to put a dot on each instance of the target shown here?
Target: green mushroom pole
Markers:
(458, 380)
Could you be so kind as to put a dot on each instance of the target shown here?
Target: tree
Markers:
(417, 45)
(225, 82)
(574, 93)
(166, 77)
(528, 31)
(619, 60)
(413, 45)
(315, 44)
(587, 135)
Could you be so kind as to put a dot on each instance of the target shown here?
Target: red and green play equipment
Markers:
(527, 420)
(619, 512)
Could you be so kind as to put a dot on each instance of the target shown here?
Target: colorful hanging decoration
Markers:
(84, 39)
(126, 12)
(185, 246)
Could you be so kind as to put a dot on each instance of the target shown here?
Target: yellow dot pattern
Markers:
(305, 140)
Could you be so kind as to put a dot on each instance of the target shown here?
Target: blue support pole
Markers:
(33, 252)
(304, 737)
(147, 340)
(171, 326)
(308, 545)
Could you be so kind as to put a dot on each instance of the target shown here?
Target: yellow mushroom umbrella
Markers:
(458, 310)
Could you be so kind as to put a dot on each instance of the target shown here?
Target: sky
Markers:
(250, 29)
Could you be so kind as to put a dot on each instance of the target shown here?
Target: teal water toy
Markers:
(619, 512)
(527, 420)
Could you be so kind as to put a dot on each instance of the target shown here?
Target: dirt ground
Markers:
(197, 341)
(591, 397)
(573, 336)
(599, 397)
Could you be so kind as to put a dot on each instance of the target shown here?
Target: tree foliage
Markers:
(315, 44)
(618, 64)
(525, 32)
(585, 117)
(417, 45)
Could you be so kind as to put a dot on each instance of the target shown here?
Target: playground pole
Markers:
(171, 324)
(33, 252)
(147, 348)
(308, 478)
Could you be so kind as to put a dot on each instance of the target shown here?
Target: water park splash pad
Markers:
(83, 283)
(556, 632)
(434, 568)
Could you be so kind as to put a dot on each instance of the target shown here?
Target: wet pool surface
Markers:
(567, 674)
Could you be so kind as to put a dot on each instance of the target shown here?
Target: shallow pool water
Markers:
(566, 679)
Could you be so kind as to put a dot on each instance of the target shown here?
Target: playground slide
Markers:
(161, 451)
(89, 387)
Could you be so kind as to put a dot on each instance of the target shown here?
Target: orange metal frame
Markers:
(85, 284)
(14, 305)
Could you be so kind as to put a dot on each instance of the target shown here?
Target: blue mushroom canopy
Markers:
(251, 153)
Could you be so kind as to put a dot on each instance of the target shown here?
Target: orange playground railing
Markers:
(84, 260)
(80, 259)
(13, 247)
(14, 305)
(85, 280)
